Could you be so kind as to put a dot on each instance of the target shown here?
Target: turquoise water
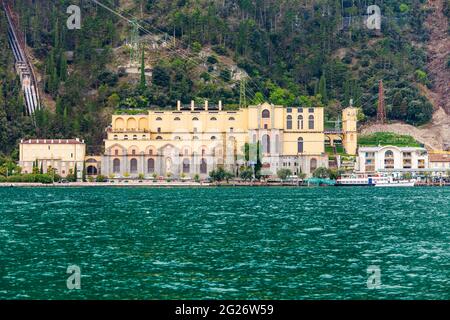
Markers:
(227, 243)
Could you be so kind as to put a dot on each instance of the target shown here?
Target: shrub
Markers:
(220, 50)
(283, 174)
(212, 60)
(101, 178)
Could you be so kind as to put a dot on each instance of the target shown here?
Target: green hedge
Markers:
(29, 178)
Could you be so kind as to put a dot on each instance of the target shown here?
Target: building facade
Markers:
(391, 159)
(193, 140)
(439, 162)
(64, 155)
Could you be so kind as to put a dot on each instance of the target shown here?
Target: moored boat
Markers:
(359, 179)
(390, 182)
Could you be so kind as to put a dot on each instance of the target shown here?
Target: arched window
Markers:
(159, 119)
(91, 171)
(231, 119)
(116, 152)
(289, 122)
(150, 165)
(134, 137)
(213, 119)
(311, 122)
(133, 166)
(389, 154)
(266, 114)
(133, 152)
(213, 138)
(266, 143)
(313, 164)
(158, 138)
(186, 166)
(203, 167)
(125, 137)
(195, 119)
(300, 145)
(116, 165)
(116, 137)
(300, 123)
(176, 119)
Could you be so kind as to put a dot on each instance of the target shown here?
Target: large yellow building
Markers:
(197, 140)
(64, 155)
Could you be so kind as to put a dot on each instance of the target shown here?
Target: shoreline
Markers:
(169, 185)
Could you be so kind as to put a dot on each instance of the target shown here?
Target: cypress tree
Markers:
(323, 89)
(84, 172)
(62, 66)
(143, 83)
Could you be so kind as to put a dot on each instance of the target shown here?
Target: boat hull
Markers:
(393, 184)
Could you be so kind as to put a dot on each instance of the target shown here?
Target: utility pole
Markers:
(381, 112)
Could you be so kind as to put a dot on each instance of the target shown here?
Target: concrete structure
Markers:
(60, 154)
(391, 159)
(196, 140)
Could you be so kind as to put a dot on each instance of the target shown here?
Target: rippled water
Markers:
(230, 243)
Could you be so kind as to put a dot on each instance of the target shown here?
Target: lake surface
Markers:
(225, 243)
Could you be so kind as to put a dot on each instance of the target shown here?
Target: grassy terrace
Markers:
(387, 138)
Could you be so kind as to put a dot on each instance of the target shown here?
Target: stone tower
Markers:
(349, 130)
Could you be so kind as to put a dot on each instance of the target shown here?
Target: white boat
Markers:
(360, 179)
(390, 182)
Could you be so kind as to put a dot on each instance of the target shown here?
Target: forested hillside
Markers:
(291, 52)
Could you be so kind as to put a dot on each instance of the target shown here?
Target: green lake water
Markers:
(225, 243)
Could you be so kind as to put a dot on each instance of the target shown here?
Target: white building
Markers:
(392, 159)
(440, 163)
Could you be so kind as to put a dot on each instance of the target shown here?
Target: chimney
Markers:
(179, 105)
(206, 105)
(192, 105)
(220, 105)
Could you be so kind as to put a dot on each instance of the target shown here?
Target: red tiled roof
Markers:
(439, 157)
(52, 141)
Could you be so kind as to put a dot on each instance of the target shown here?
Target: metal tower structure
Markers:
(134, 43)
(381, 112)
